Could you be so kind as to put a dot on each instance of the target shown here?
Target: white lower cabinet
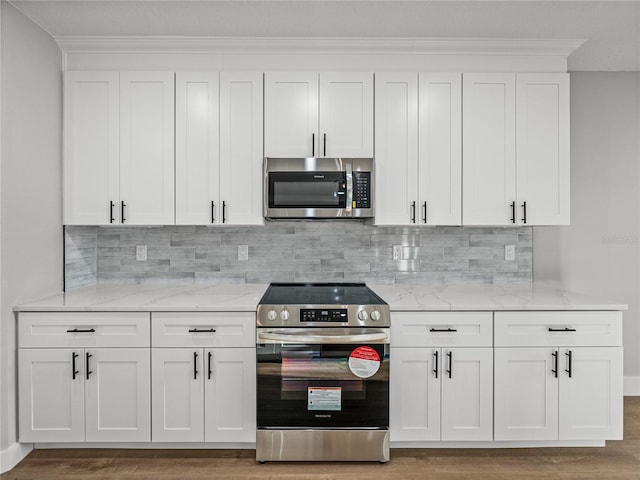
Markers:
(203, 395)
(77, 395)
(558, 375)
(558, 393)
(203, 377)
(443, 393)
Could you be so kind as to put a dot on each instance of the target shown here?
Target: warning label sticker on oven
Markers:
(364, 362)
(324, 398)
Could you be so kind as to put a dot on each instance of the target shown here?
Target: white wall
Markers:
(30, 190)
(599, 253)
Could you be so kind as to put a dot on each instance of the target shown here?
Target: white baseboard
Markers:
(10, 457)
(631, 386)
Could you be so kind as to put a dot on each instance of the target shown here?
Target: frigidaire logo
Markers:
(322, 416)
(318, 176)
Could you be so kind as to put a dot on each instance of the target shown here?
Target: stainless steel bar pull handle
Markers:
(349, 179)
(424, 212)
(209, 355)
(436, 330)
(195, 365)
(213, 209)
(450, 359)
(122, 205)
(513, 212)
(74, 372)
(524, 212)
(565, 329)
(413, 212)
(313, 144)
(554, 370)
(324, 141)
(224, 212)
(82, 330)
(111, 205)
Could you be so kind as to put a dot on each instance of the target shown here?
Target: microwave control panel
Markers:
(361, 189)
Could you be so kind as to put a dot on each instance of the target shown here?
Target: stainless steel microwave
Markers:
(318, 187)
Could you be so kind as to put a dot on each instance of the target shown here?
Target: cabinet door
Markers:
(291, 114)
(542, 148)
(241, 148)
(489, 173)
(51, 400)
(591, 399)
(117, 395)
(396, 146)
(467, 394)
(526, 394)
(147, 153)
(440, 149)
(346, 115)
(197, 148)
(230, 395)
(414, 400)
(91, 148)
(177, 395)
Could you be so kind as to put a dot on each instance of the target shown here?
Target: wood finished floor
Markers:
(618, 460)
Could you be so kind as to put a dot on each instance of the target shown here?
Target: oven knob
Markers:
(363, 315)
(284, 315)
(375, 315)
(272, 315)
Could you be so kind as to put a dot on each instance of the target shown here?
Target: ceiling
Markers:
(612, 28)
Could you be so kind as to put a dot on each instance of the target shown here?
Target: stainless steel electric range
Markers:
(322, 373)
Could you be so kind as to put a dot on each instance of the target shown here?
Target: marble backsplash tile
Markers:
(297, 251)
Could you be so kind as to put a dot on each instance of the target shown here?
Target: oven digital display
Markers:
(323, 315)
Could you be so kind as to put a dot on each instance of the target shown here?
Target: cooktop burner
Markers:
(320, 294)
(321, 304)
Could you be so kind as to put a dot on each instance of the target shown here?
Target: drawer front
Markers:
(203, 329)
(441, 329)
(532, 329)
(83, 329)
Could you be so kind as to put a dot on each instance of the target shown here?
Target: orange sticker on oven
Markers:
(364, 362)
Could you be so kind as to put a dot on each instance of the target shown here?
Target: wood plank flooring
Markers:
(618, 460)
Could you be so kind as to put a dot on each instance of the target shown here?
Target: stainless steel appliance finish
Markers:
(322, 373)
(322, 445)
(318, 187)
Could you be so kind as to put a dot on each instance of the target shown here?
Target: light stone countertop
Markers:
(245, 297)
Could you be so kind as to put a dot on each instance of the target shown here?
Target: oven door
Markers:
(333, 380)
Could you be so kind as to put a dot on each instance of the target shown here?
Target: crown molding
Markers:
(318, 46)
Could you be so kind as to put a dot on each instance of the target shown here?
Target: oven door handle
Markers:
(349, 175)
(378, 337)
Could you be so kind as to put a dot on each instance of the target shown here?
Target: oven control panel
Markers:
(323, 315)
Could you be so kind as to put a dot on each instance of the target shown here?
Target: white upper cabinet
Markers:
(91, 148)
(346, 115)
(219, 148)
(322, 115)
(396, 134)
(542, 148)
(197, 148)
(489, 173)
(418, 149)
(440, 149)
(516, 149)
(241, 144)
(147, 148)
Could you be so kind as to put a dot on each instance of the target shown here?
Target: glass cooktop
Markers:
(320, 294)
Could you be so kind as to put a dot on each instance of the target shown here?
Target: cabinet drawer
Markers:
(441, 329)
(203, 329)
(529, 329)
(83, 329)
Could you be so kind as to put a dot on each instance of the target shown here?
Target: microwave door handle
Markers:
(349, 175)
